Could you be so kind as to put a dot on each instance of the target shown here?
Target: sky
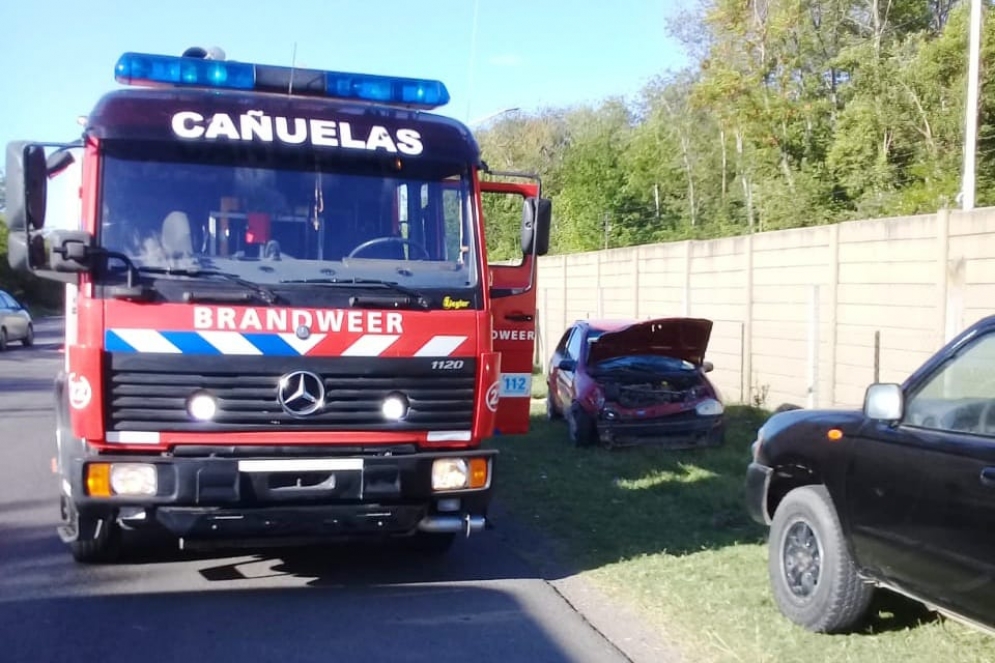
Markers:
(59, 56)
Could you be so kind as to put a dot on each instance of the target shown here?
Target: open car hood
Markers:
(681, 338)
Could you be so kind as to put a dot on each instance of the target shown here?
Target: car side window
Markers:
(960, 397)
(562, 345)
(6, 301)
(573, 345)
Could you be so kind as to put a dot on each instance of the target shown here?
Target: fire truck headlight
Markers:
(460, 474)
(450, 474)
(133, 479)
(394, 407)
(202, 406)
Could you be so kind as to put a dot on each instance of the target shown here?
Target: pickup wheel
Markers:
(812, 576)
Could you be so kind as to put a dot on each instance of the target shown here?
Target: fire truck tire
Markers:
(104, 549)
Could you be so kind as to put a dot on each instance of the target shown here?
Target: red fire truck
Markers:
(281, 323)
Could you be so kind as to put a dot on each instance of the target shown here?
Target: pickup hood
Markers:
(681, 338)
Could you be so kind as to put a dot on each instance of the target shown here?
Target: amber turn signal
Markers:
(98, 479)
(478, 472)
(834, 434)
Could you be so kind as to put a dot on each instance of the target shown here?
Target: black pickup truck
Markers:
(900, 495)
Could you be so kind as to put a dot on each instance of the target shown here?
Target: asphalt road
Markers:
(482, 602)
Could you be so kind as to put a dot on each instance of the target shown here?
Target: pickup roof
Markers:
(899, 495)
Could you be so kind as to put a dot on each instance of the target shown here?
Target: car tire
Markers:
(580, 427)
(29, 337)
(552, 413)
(821, 591)
(3, 339)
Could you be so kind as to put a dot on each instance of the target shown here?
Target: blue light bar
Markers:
(142, 69)
(386, 89)
(146, 69)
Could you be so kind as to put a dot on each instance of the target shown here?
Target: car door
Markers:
(566, 377)
(921, 493)
(553, 370)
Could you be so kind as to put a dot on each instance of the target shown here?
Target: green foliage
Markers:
(794, 113)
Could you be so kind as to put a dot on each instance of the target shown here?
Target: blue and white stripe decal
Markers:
(208, 342)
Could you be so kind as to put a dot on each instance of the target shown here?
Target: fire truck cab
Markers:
(281, 323)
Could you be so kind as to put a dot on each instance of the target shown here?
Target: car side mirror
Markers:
(567, 365)
(536, 220)
(884, 402)
(707, 366)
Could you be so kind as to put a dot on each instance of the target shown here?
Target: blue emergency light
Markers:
(179, 71)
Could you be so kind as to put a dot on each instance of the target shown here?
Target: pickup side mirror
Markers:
(884, 402)
(567, 365)
(536, 220)
(707, 366)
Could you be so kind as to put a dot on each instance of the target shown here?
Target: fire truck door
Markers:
(513, 307)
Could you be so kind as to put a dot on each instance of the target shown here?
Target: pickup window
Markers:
(960, 397)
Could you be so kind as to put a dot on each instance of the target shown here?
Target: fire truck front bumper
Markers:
(228, 498)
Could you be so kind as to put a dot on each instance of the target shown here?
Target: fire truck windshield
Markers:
(272, 221)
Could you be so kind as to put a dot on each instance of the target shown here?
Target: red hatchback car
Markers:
(626, 382)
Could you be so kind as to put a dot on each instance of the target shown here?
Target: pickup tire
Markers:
(813, 578)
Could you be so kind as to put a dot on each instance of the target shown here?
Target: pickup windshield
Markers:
(274, 220)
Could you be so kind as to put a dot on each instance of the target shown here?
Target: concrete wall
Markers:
(796, 312)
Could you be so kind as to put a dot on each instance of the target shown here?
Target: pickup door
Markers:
(921, 493)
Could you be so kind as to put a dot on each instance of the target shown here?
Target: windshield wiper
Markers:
(261, 291)
(413, 297)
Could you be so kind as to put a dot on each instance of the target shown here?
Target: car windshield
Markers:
(280, 221)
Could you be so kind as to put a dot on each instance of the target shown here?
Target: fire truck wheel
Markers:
(102, 548)
(431, 543)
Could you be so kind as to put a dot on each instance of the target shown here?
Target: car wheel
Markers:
(3, 339)
(813, 578)
(29, 338)
(552, 413)
(580, 427)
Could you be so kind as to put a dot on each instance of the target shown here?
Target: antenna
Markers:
(293, 63)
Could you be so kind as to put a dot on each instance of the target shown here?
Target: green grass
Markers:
(667, 531)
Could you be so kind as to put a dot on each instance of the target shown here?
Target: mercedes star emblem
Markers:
(301, 393)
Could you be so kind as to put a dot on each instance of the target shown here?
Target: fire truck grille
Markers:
(151, 393)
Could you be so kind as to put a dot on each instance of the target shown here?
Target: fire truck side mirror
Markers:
(69, 251)
(27, 184)
(536, 220)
